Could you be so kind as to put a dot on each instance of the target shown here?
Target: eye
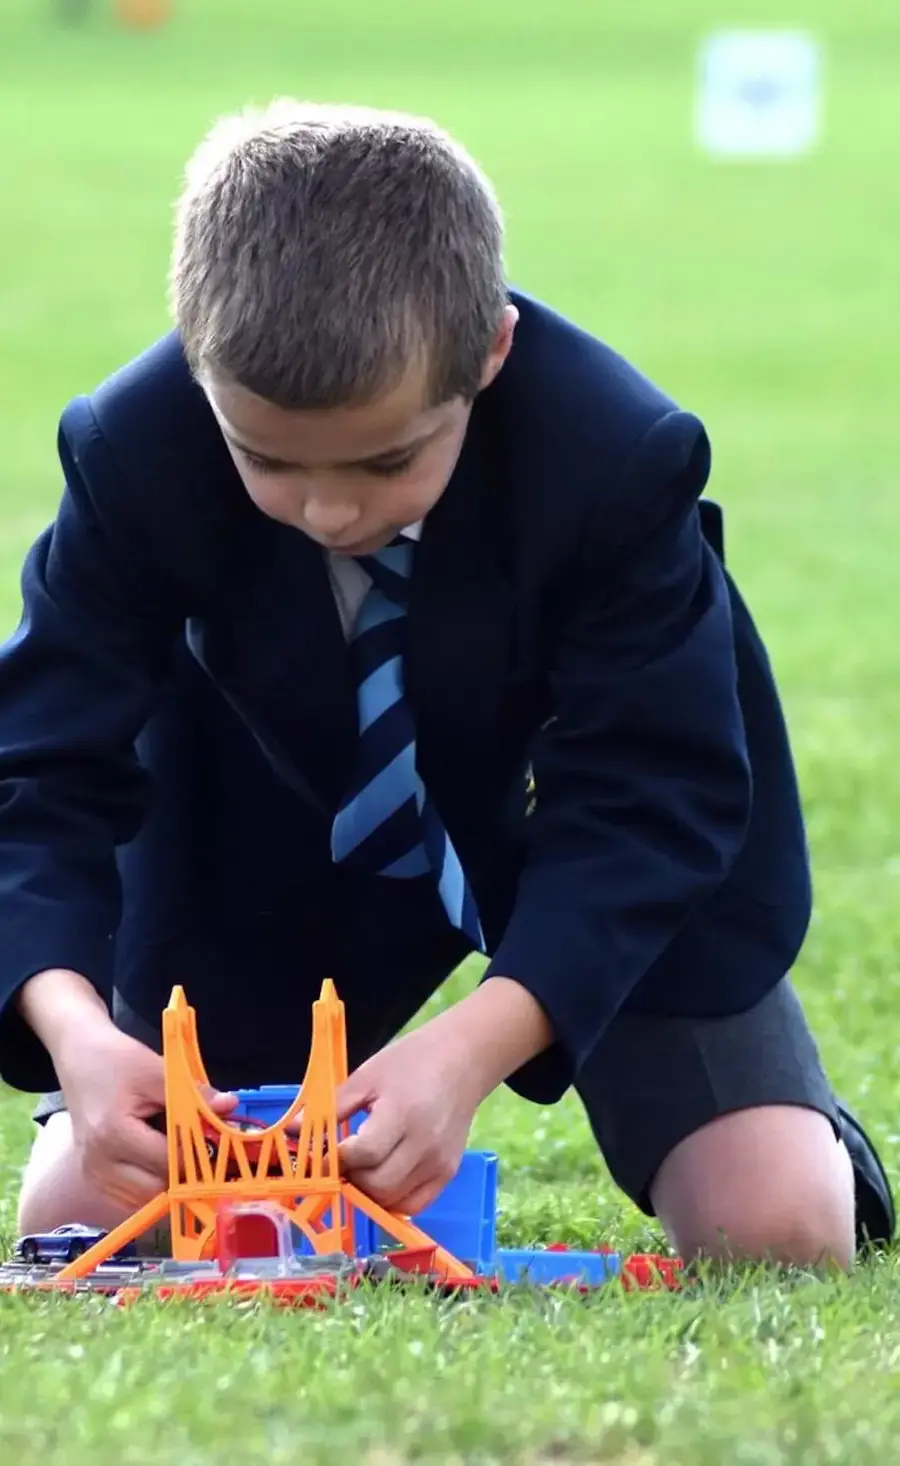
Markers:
(393, 469)
(259, 465)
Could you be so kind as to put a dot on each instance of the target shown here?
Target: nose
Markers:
(329, 520)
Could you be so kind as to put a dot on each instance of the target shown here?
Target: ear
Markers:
(501, 346)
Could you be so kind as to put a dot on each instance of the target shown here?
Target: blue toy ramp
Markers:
(543, 1266)
(266, 1104)
(463, 1216)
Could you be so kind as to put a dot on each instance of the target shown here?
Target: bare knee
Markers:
(54, 1188)
(771, 1184)
(785, 1230)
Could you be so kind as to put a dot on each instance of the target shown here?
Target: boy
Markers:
(337, 563)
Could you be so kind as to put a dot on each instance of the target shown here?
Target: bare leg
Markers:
(770, 1183)
(55, 1191)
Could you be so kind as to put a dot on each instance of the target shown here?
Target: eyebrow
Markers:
(387, 456)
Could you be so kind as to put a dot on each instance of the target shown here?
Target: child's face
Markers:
(349, 477)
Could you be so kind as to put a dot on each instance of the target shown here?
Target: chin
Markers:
(365, 547)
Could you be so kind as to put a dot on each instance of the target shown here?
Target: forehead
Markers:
(325, 437)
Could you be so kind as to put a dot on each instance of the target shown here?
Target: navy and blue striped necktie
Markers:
(387, 823)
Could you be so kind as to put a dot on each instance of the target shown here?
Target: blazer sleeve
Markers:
(642, 777)
(77, 681)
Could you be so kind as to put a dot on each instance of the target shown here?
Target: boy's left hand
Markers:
(422, 1092)
(421, 1096)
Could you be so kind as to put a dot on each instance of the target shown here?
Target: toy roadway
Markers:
(256, 1204)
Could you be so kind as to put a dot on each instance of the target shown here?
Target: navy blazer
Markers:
(177, 719)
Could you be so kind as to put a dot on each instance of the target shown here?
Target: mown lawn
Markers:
(766, 298)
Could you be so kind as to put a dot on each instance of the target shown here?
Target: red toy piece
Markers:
(652, 1270)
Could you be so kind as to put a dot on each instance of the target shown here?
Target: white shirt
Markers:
(349, 581)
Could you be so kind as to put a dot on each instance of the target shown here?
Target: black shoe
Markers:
(875, 1216)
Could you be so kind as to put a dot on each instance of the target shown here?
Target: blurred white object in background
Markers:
(758, 93)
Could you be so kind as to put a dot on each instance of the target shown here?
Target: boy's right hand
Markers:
(112, 1085)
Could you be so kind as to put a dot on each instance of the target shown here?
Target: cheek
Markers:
(272, 495)
(421, 491)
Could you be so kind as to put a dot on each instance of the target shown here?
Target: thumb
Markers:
(221, 1102)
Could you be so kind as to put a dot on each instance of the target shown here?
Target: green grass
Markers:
(764, 297)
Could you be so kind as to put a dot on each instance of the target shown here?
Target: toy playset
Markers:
(256, 1203)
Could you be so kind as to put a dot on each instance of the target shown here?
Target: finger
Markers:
(130, 1186)
(404, 1188)
(137, 1144)
(293, 1127)
(356, 1093)
(375, 1140)
(418, 1199)
(222, 1102)
(401, 1174)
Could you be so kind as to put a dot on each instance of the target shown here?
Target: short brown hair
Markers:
(320, 251)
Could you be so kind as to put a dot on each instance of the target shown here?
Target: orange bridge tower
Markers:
(292, 1164)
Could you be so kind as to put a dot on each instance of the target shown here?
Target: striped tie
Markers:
(387, 822)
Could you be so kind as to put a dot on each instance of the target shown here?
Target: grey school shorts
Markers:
(652, 1081)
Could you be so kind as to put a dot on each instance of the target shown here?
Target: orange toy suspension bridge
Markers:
(293, 1164)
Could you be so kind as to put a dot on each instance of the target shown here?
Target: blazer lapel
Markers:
(277, 649)
(461, 619)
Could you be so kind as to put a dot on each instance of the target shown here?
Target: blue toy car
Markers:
(64, 1244)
